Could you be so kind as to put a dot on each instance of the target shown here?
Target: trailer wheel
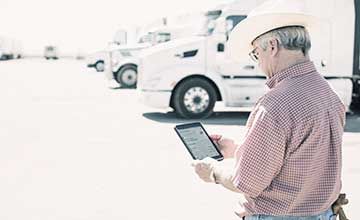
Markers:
(100, 66)
(194, 98)
(127, 76)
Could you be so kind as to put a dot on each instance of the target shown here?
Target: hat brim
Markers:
(241, 37)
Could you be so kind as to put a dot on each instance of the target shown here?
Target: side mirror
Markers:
(211, 26)
(229, 26)
(220, 47)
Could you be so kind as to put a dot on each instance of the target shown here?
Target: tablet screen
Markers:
(198, 142)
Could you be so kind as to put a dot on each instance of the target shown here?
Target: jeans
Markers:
(327, 215)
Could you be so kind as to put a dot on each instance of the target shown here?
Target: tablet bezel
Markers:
(197, 124)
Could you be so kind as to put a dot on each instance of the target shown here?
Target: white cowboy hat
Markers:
(270, 15)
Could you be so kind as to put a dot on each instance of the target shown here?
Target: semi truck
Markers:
(124, 59)
(191, 75)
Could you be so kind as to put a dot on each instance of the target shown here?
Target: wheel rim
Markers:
(128, 77)
(196, 100)
(100, 66)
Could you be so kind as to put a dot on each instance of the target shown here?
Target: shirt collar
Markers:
(294, 70)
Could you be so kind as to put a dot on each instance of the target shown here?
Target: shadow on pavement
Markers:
(236, 118)
(353, 122)
(119, 87)
(218, 118)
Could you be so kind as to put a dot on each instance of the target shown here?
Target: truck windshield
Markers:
(155, 37)
(162, 37)
(147, 38)
(209, 24)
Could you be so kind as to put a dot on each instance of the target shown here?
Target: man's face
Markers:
(259, 55)
(264, 58)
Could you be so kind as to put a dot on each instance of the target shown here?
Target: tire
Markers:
(194, 98)
(100, 66)
(127, 76)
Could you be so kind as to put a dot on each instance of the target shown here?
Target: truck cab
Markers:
(195, 73)
(124, 59)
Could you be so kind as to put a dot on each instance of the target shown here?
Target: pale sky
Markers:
(85, 25)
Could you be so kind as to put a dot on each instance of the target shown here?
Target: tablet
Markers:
(197, 141)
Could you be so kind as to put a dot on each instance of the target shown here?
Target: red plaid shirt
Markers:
(290, 161)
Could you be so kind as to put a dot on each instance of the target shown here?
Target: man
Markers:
(289, 164)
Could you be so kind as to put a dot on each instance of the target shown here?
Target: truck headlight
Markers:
(114, 61)
(153, 82)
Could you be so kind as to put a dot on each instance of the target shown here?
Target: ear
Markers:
(274, 47)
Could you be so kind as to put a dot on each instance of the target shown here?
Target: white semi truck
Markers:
(190, 75)
(124, 59)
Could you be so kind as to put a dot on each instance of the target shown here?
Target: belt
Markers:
(336, 208)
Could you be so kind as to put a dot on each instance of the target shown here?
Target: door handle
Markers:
(179, 55)
(249, 67)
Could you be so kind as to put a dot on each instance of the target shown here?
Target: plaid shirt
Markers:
(290, 161)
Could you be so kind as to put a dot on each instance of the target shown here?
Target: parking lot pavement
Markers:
(73, 147)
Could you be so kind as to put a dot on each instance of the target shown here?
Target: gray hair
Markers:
(290, 38)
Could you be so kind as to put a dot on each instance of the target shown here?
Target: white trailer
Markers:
(6, 48)
(190, 75)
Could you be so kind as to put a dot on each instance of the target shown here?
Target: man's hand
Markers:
(226, 145)
(205, 169)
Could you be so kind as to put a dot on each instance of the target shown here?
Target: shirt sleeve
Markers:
(260, 157)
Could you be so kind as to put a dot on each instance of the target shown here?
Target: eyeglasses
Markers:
(254, 55)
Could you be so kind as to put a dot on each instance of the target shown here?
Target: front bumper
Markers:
(155, 99)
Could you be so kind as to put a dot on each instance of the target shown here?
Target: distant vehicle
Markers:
(124, 59)
(51, 52)
(6, 49)
(123, 64)
(10, 49)
(97, 61)
(17, 49)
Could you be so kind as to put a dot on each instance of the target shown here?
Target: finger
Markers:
(215, 137)
(194, 163)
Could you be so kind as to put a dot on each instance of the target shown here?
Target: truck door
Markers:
(356, 67)
(356, 60)
(244, 81)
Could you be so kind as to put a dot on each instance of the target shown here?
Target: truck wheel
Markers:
(194, 98)
(127, 76)
(100, 66)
